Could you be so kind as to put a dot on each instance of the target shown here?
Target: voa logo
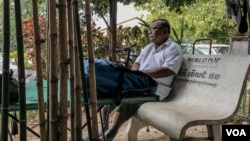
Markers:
(236, 132)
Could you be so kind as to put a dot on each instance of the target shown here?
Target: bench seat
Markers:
(206, 91)
(32, 98)
(174, 119)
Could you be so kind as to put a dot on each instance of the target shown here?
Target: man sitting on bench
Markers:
(161, 59)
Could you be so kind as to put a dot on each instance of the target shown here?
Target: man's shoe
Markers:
(86, 138)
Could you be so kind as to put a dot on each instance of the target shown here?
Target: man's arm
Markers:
(135, 66)
(156, 72)
(159, 72)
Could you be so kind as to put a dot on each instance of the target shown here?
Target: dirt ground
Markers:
(145, 134)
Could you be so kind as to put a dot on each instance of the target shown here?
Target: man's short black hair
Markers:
(164, 23)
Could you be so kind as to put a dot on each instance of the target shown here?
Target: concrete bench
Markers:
(206, 91)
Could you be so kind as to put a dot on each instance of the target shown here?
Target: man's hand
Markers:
(159, 72)
(135, 66)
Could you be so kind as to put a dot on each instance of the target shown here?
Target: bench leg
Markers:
(134, 125)
(210, 132)
(214, 132)
(168, 138)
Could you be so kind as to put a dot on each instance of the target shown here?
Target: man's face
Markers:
(157, 33)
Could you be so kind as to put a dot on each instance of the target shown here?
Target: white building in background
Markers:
(129, 22)
(126, 16)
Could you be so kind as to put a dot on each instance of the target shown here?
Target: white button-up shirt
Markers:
(168, 55)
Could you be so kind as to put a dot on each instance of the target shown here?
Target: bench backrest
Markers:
(214, 82)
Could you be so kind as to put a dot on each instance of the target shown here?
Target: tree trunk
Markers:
(39, 76)
(63, 64)
(48, 66)
(92, 78)
(53, 72)
(6, 73)
(78, 45)
(21, 72)
(113, 21)
(78, 105)
(72, 70)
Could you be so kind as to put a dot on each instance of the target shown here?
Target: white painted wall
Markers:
(124, 13)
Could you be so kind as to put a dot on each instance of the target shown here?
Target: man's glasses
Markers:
(154, 28)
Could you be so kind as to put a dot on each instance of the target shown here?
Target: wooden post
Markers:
(53, 73)
(71, 68)
(93, 97)
(5, 72)
(39, 76)
(21, 73)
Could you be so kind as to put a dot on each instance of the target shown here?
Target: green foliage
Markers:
(144, 23)
(201, 19)
(176, 5)
(195, 19)
(101, 7)
(178, 40)
(208, 20)
(12, 28)
(126, 36)
(13, 58)
(136, 2)
(26, 6)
